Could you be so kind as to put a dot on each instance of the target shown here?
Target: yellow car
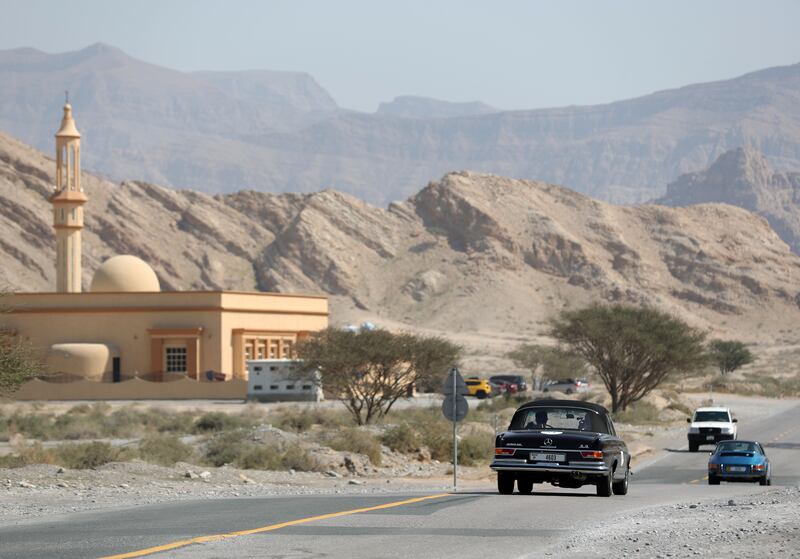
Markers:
(479, 387)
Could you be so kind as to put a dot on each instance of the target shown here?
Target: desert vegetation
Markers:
(371, 369)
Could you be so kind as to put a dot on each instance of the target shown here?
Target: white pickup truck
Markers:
(709, 426)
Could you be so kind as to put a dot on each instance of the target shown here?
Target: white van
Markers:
(277, 380)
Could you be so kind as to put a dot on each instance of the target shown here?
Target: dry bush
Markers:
(475, 448)
(358, 441)
(402, 438)
(221, 421)
(301, 419)
(28, 454)
(640, 413)
(84, 456)
(165, 450)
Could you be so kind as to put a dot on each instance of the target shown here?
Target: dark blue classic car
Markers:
(739, 461)
(567, 443)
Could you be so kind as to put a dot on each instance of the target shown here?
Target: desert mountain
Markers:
(410, 106)
(743, 177)
(219, 132)
(482, 258)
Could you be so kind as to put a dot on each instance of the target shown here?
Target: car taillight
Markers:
(713, 467)
(593, 454)
(504, 451)
(759, 467)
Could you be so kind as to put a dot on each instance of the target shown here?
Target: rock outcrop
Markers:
(743, 177)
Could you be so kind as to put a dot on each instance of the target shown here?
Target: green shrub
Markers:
(86, 455)
(402, 438)
(356, 440)
(164, 449)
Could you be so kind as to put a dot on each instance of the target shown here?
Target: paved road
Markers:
(477, 524)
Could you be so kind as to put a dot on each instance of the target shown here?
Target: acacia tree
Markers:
(632, 349)
(371, 369)
(19, 362)
(554, 362)
(730, 355)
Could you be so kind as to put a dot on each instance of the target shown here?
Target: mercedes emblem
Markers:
(548, 442)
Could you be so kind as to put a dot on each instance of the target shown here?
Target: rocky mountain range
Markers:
(482, 258)
(743, 177)
(411, 106)
(280, 132)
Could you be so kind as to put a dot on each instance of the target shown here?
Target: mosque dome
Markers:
(124, 273)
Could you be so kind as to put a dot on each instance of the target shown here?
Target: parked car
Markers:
(567, 385)
(566, 443)
(710, 426)
(478, 387)
(739, 461)
(518, 380)
(500, 387)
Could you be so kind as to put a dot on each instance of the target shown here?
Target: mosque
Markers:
(125, 328)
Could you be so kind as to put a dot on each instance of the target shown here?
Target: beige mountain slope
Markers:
(481, 258)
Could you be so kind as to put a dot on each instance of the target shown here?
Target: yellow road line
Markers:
(270, 528)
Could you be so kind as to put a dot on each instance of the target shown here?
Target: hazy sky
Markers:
(510, 54)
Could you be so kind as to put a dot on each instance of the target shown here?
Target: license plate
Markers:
(709, 437)
(548, 457)
(737, 468)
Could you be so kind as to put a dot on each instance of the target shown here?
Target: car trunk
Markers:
(564, 440)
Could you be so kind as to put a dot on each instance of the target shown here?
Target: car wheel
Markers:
(764, 481)
(604, 486)
(546, 390)
(505, 483)
(713, 480)
(621, 487)
(480, 394)
(569, 391)
(692, 447)
(524, 486)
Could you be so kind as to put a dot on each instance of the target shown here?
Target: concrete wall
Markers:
(133, 389)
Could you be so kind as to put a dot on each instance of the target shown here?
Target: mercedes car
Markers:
(566, 443)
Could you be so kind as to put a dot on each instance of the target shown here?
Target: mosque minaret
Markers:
(68, 200)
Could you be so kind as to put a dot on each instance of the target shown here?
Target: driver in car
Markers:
(539, 421)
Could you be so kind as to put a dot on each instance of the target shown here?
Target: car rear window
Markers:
(711, 416)
(558, 418)
(737, 446)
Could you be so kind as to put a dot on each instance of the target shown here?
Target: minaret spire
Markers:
(68, 200)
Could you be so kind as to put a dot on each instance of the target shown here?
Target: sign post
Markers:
(455, 408)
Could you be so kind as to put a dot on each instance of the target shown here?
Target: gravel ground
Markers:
(42, 490)
(762, 525)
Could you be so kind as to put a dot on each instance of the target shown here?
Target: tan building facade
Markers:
(203, 335)
(126, 331)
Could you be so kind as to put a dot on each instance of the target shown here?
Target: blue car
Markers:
(739, 461)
